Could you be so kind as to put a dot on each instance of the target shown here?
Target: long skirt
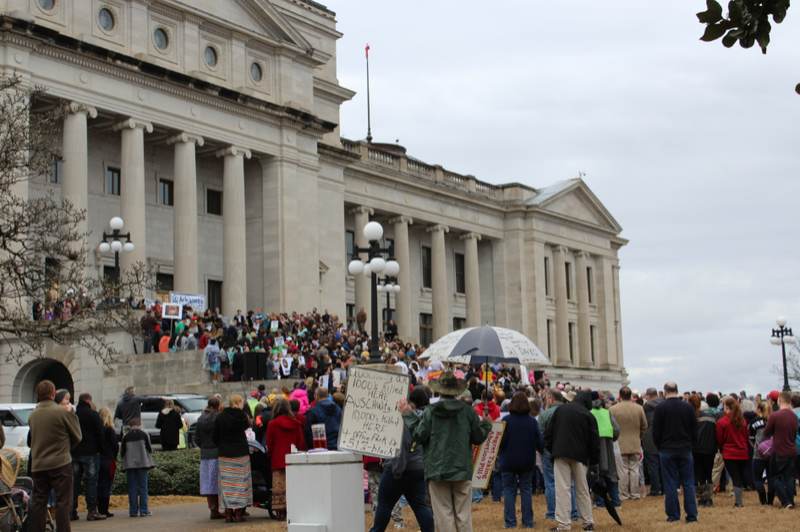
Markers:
(235, 482)
(209, 475)
(279, 489)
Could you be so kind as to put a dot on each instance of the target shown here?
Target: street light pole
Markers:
(783, 335)
(116, 245)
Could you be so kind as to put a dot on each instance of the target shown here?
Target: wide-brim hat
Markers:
(570, 396)
(448, 384)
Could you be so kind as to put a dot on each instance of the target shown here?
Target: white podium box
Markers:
(325, 492)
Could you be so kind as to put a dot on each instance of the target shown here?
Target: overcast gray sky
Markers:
(692, 147)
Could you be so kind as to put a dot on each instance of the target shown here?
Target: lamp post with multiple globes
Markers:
(116, 246)
(782, 336)
(379, 261)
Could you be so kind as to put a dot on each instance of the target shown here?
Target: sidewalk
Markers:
(174, 518)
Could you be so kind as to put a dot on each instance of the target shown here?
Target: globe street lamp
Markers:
(116, 246)
(376, 265)
(782, 336)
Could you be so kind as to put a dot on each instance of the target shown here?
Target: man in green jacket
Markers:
(447, 431)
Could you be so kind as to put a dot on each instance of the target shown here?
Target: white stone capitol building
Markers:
(211, 128)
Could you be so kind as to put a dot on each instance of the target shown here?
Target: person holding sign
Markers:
(447, 460)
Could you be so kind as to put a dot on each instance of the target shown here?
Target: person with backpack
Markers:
(761, 462)
(211, 359)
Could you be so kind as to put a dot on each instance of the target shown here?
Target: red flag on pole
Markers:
(367, 50)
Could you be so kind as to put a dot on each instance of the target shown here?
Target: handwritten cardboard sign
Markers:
(483, 456)
(371, 424)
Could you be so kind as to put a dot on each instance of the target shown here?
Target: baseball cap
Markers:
(774, 394)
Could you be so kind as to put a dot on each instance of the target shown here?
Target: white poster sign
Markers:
(483, 456)
(196, 301)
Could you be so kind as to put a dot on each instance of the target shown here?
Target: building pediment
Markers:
(573, 199)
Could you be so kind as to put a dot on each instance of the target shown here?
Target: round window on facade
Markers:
(106, 19)
(210, 56)
(47, 4)
(255, 72)
(161, 39)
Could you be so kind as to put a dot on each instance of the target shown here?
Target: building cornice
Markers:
(336, 156)
(331, 91)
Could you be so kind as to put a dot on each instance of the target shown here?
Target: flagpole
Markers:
(369, 120)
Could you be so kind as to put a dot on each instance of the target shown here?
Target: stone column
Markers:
(403, 297)
(607, 313)
(363, 299)
(472, 279)
(441, 303)
(75, 167)
(131, 188)
(617, 315)
(185, 213)
(562, 321)
(234, 241)
(584, 328)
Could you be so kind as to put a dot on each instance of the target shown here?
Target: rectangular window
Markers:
(54, 175)
(165, 192)
(214, 294)
(425, 329)
(351, 317)
(113, 177)
(165, 283)
(590, 283)
(547, 276)
(389, 314)
(213, 202)
(571, 328)
(460, 279)
(592, 336)
(459, 323)
(568, 268)
(550, 339)
(426, 267)
(389, 244)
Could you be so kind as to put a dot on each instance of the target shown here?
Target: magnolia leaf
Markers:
(713, 32)
(712, 15)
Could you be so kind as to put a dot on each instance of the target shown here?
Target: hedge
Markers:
(175, 473)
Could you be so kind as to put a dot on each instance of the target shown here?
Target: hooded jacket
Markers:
(203, 436)
(302, 396)
(706, 434)
(281, 434)
(494, 410)
(448, 430)
(411, 454)
(130, 406)
(732, 442)
(572, 431)
(228, 433)
(328, 413)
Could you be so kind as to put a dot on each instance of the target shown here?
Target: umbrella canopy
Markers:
(486, 344)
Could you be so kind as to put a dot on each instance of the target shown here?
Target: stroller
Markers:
(262, 478)
(16, 494)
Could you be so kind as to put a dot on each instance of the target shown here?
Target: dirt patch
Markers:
(120, 502)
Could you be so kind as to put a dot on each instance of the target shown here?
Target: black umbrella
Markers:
(601, 490)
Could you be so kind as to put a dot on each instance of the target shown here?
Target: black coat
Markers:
(572, 431)
(228, 433)
(93, 441)
(204, 436)
(170, 425)
(238, 365)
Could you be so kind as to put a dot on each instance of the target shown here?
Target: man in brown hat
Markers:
(447, 459)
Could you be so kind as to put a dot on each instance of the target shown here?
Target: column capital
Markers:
(184, 137)
(467, 236)
(561, 249)
(402, 219)
(361, 209)
(234, 150)
(133, 123)
(584, 254)
(77, 107)
(437, 227)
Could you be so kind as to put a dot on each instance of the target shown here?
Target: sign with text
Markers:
(371, 424)
(483, 456)
(196, 301)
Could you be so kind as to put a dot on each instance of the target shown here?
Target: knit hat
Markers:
(60, 396)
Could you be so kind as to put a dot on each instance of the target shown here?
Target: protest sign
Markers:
(172, 312)
(371, 423)
(196, 301)
(483, 456)
(273, 326)
(323, 381)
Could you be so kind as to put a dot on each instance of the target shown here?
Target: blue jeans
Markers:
(781, 473)
(678, 471)
(411, 484)
(104, 480)
(550, 490)
(477, 495)
(137, 492)
(613, 493)
(759, 466)
(88, 466)
(653, 468)
(496, 482)
(510, 479)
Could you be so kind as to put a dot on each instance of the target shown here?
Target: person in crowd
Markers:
(553, 400)
(608, 429)
(573, 440)
(136, 453)
(447, 459)
(235, 484)
(632, 423)
(323, 412)
(361, 319)
(488, 407)
(86, 457)
(130, 406)
(149, 326)
(282, 432)
(209, 455)
(760, 463)
(211, 356)
(675, 434)
(108, 463)
(649, 449)
(518, 461)
(300, 393)
(170, 422)
(54, 432)
(703, 453)
(405, 476)
(782, 428)
(733, 440)
(718, 475)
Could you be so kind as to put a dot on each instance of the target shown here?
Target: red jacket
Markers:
(732, 442)
(494, 410)
(281, 434)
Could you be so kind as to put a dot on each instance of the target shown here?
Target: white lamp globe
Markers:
(116, 223)
(396, 288)
(128, 247)
(105, 247)
(116, 245)
(367, 270)
(389, 287)
(392, 268)
(377, 264)
(356, 267)
(789, 340)
(775, 340)
(781, 321)
(373, 231)
(379, 288)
